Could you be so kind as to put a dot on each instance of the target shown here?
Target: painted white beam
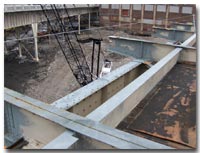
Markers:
(83, 126)
(114, 110)
(151, 50)
(86, 91)
(63, 141)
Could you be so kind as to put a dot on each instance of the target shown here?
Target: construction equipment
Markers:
(72, 50)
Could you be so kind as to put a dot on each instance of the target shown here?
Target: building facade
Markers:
(143, 16)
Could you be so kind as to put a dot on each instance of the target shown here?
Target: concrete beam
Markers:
(114, 110)
(172, 34)
(86, 99)
(150, 50)
(83, 126)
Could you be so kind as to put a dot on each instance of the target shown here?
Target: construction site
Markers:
(100, 76)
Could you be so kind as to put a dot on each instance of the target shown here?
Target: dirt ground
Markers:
(51, 78)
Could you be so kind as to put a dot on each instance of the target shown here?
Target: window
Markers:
(126, 6)
(104, 5)
(125, 12)
(148, 7)
(174, 9)
(161, 8)
(137, 7)
(115, 6)
(187, 10)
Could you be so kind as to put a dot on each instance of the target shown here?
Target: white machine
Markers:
(106, 68)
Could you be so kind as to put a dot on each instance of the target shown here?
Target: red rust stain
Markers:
(175, 106)
(170, 112)
(177, 94)
(174, 130)
(175, 87)
(193, 86)
(155, 134)
(185, 101)
(168, 104)
(169, 87)
(172, 87)
(192, 136)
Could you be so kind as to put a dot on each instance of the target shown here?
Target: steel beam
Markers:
(63, 141)
(86, 99)
(12, 134)
(150, 50)
(83, 126)
(114, 110)
(172, 34)
(33, 126)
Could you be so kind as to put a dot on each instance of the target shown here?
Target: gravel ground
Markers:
(51, 78)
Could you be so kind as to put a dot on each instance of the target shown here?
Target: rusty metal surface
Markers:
(170, 113)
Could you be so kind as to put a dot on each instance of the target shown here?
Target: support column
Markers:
(19, 44)
(63, 21)
(89, 15)
(131, 15)
(142, 17)
(5, 46)
(49, 31)
(166, 18)
(20, 49)
(79, 24)
(5, 49)
(154, 14)
(120, 14)
(35, 31)
(194, 23)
